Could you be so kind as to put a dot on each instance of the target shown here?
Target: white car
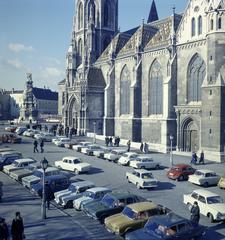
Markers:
(127, 157)
(90, 148)
(142, 179)
(18, 164)
(144, 162)
(56, 138)
(30, 133)
(101, 152)
(20, 130)
(210, 204)
(73, 164)
(81, 145)
(61, 141)
(96, 193)
(204, 178)
(114, 155)
(76, 189)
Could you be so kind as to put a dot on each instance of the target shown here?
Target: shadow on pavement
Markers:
(164, 186)
(94, 170)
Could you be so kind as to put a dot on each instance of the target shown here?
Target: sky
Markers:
(35, 36)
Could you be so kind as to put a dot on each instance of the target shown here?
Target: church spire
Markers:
(153, 15)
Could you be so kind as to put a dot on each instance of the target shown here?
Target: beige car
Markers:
(221, 183)
(211, 205)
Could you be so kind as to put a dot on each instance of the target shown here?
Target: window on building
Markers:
(155, 89)
(196, 75)
(211, 24)
(91, 11)
(125, 84)
(193, 27)
(80, 16)
(106, 14)
(220, 23)
(80, 52)
(199, 25)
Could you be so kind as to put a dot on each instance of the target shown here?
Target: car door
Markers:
(213, 178)
(184, 231)
(64, 164)
(202, 205)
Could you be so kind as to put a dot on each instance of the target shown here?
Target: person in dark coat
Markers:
(195, 213)
(141, 147)
(42, 145)
(17, 229)
(128, 146)
(194, 158)
(118, 141)
(48, 194)
(4, 232)
(202, 158)
(35, 146)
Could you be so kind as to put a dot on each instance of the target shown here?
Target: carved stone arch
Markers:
(73, 109)
(80, 14)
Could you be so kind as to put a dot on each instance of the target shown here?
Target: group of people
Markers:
(36, 145)
(194, 158)
(109, 141)
(17, 228)
(144, 147)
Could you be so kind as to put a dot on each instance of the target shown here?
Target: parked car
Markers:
(90, 148)
(112, 203)
(55, 183)
(96, 193)
(45, 136)
(75, 191)
(114, 155)
(73, 164)
(71, 144)
(61, 141)
(142, 179)
(37, 175)
(204, 178)
(1, 192)
(30, 133)
(20, 130)
(101, 152)
(7, 158)
(180, 172)
(144, 162)
(80, 146)
(6, 149)
(10, 128)
(221, 183)
(133, 216)
(127, 157)
(210, 204)
(168, 227)
(18, 164)
(10, 138)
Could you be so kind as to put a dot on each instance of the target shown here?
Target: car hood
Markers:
(220, 207)
(118, 220)
(82, 199)
(21, 171)
(61, 193)
(72, 196)
(94, 207)
(31, 178)
(9, 167)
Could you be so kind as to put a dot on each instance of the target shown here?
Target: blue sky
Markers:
(35, 35)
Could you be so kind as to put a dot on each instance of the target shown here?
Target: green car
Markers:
(134, 216)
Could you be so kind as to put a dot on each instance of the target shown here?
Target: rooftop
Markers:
(45, 94)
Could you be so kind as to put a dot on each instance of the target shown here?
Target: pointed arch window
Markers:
(211, 24)
(106, 14)
(125, 84)
(199, 25)
(91, 11)
(196, 75)
(193, 30)
(80, 16)
(220, 23)
(80, 52)
(155, 89)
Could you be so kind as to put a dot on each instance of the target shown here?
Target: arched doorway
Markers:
(73, 114)
(190, 136)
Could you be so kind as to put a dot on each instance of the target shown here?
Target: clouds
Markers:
(18, 47)
(15, 63)
(52, 72)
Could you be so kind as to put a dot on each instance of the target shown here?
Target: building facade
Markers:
(4, 105)
(163, 78)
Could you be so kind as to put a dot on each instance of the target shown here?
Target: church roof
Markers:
(153, 15)
(163, 31)
(62, 82)
(95, 77)
(45, 94)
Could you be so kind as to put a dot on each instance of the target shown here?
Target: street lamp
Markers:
(171, 150)
(44, 166)
(94, 137)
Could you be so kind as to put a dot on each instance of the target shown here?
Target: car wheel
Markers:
(181, 178)
(142, 167)
(157, 167)
(210, 216)
(206, 184)
(69, 204)
(138, 185)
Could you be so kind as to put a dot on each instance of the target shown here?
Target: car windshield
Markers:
(38, 174)
(108, 201)
(147, 175)
(16, 164)
(76, 161)
(89, 194)
(156, 229)
(72, 188)
(129, 213)
(176, 169)
(214, 199)
(199, 173)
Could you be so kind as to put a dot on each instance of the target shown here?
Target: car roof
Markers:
(54, 177)
(6, 150)
(10, 153)
(181, 165)
(25, 160)
(205, 192)
(142, 206)
(82, 183)
(70, 158)
(130, 153)
(98, 189)
(141, 171)
(169, 219)
(205, 171)
(121, 194)
(49, 169)
(144, 157)
(119, 150)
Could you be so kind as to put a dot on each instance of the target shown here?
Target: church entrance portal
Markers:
(190, 136)
(73, 114)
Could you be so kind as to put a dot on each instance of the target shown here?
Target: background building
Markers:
(4, 105)
(163, 78)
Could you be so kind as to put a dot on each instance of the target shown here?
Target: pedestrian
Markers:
(202, 158)
(1, 192)
(46, 128)
(115, 141)
(195, 213)
(145, 148)
(110, 141)
(35, 146)
(142, 147)
(17, 229)
(128, 146)
(4, 231)
(106, 141)
(194, 158)
(48, 194)
(118, 141)
(42, 145)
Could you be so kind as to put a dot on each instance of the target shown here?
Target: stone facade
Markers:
(163, 78)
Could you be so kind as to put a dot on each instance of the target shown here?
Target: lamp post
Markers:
(94, 137)
(44, 166)
(171, 150)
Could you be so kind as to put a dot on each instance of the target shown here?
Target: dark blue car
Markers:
(168, 227)
(55, 183)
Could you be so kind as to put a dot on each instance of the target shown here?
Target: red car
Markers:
(180, 172)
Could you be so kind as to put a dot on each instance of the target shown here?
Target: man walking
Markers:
(42, 145)
(195, 213)
(17, 229)
(35, 146)
(128, 146)
(4, 232)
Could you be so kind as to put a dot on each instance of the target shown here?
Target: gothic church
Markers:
(163, 78)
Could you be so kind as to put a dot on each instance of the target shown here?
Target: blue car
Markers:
(168, 227)
(55, 183)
